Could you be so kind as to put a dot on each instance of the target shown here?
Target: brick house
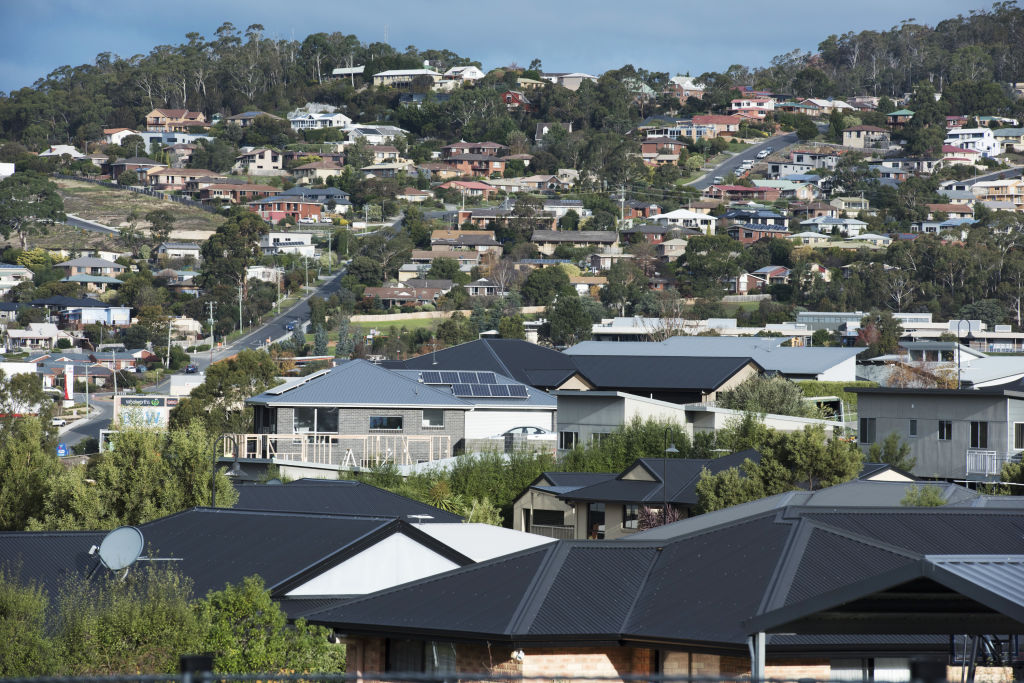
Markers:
(176, 120)
(748, 234)
(274, 209)
(727, 594)
(259, 161)
(236, 193)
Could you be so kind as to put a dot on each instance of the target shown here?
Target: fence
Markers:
(158, 194)
(348, 451)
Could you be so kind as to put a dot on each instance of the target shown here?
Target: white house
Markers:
(687, 218)
(6, 170)
(179, 250)
(300, 243)
(11, 276)
(463, 73)
(978, 139)
(60, 150)
(313, 121)
(851, 227)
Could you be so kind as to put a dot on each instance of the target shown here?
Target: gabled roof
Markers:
(358, 383)
(333, 496)
(674, 373)
(522, 361)
(732, 565)
(69, 302)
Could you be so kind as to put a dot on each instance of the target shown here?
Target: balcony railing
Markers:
(340, 450)
(987, 463)
(564, 533)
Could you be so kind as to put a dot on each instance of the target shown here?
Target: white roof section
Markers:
(481, 542)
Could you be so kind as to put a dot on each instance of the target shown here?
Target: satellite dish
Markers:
(274, 482)
(121, 547)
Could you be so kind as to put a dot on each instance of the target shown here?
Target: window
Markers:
(1018, 435)
(630, 516)
(867, 430)
(433, 418)
(595, 521)
(549, 517)
(597, 438)
(979, 435)
(945, 430)
(305, 420)
(913, 428)
(568, 440)
(315, 420)
(417, 656)
(386, 422)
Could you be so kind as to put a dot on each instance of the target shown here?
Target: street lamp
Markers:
(670, 451)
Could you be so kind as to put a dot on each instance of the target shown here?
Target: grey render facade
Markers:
(953, 434)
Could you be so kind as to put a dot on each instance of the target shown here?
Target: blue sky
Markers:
(678, 36)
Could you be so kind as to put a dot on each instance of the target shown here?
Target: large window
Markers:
(945, 430)
(433, 418)
(1018, 435)
(549, 517)
(979, 435)
(390, 423)
(417, 656)
(567, 440)
(867, 430)
(316, 420)
(595, 521)
(630, 516)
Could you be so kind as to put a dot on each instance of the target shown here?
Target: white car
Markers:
(763, 153)
(58, 422)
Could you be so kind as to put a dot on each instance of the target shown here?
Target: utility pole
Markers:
(87, 411)
(167, 359)
(211, 305)
(239, 306)
(113, 364)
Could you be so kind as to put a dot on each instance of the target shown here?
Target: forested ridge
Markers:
(240, 69)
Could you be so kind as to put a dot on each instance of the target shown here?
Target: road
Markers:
(91, 226)
(274, 328)
(732, 163)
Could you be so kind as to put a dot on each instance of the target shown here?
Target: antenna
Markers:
(121, 548)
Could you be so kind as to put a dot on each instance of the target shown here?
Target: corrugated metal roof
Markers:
(672, 373)
(522, 361)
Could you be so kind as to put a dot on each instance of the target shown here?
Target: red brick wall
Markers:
(583, 662)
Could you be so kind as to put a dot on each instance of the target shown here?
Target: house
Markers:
(137, 164)
(479, 240)
(179, 250)
(767, 276)
(900, 168)
(657, 151)
(826, 225)
(176, 178)
(524, 362)
(686, 218)
(171, 120)
(466, 73)
(1009, 190)
(114, 136)
(616, 610)
(270, 274)
(77, 313)
(467, 258)
(34, 336)
(387, 170)
(358, 414)
(652, 233)
(544, 128)
(235, 193)
(851, 206)
(305, 120)
(331, 199)
(950, 210)
(483, 287)
(982, 140)
(247, 118)
(899, 118)
(871, 238)
(470, 188)
(276, 208)
(613, 505)
(866, 137)
(540, 510)
(13, 275)
(748, 234)
(588, 285)
(411, 194)
(755, 216)
(376, 135)
(549, 240)
(1010, 139)
(810, 238)
(789, 189)
(259, 161)
(718, 124)
(316, 172)
(400, 78)
(952, 433)
(300, 243)
(742, 193)
(752, 107)
(672, 249)
(515, 99)
(390, 296)
(482, 165)
(683, 88)
(569, 81)
(91, 266)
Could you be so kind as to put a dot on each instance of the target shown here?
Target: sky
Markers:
(680, 36)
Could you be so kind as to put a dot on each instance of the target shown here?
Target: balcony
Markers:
(347, 451)
(561, 532)
(985, 463)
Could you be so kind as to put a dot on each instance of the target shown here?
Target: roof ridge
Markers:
(537, 590)
(657, 555)
(497, 358)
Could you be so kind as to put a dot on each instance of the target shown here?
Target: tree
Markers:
(923, 496)
(128, 178)
(161, 222)
(511, 327)
(28, 199)
(767, 394)
(443, 269)
(346, 340)
(320, 341)
(219, 400)
(880, 332)
(26, 471)
(542, 285)
(729, 487)
(568, 320)
(820, 462)
(249, 632)
(28, 648)
(894, 451)
(806, 129)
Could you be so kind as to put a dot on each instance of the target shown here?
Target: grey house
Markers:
(953, 434)
(360, 415)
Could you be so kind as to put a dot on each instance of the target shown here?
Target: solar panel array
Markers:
(461, 377)
(489, 390)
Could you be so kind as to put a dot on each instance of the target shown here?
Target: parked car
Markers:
(528, 433)
(191, 369)
(58, 422)
(718, 180)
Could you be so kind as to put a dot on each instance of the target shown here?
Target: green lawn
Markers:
(388, 325)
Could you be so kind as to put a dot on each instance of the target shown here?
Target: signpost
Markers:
(62, 450)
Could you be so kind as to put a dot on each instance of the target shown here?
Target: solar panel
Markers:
(449, 377)
(463, 390)
(485, 378)
(517, 391)
(431, 377)
(467, 377)
(479, 391)
(498, 390)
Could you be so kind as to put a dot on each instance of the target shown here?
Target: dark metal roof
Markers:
(336, 497)
(675, 373)
(515, 358)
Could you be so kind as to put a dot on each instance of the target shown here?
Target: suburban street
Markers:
(732, 163)
(90, 427)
